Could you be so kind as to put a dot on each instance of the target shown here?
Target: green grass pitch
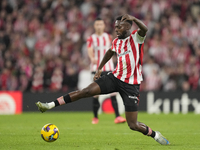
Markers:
(22, 132)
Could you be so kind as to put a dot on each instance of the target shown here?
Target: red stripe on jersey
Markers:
(104, 41)
(98, 60)
(104, 67)
(89, 42)
(120, 61)
(97, 41)
(141, 52)
(140, 57)
(128, 64)
(134, 55)
(104, 51)
(98, 53)
(134, 31)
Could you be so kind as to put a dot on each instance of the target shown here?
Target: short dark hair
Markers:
(98, 18)
(120, 18)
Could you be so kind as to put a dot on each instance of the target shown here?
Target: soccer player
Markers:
(125, 79)
(97, 44)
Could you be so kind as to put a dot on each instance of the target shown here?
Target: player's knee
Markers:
(134, 126)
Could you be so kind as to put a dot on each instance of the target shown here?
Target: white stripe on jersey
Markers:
(100, 45)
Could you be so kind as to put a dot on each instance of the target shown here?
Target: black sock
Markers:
(150, 132)
(60, 101)
(153, 134)
(56, 103)
(115, 105)
(67, 98)
(96, 106)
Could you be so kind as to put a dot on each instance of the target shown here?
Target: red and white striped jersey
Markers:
(129, 58)
(100, 45)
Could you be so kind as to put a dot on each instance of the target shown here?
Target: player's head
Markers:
(99, 26)
(122, 27)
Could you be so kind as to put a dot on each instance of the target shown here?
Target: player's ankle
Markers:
(150, 132)
(62, 100)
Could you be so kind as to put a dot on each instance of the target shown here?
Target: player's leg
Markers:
(131, 117)
(131, 111)
(95, 104)
(130, 96)
(114, 104)
(107, 86)
(133, 124)
(95, 108)
(118, 118)
(91, 90)
(103, 85)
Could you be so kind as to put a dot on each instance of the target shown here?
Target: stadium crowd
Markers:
(43, 42)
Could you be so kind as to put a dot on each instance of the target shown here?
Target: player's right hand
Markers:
(97, 74)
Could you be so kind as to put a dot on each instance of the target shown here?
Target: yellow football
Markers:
(50, 132)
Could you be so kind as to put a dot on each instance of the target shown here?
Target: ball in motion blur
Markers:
(50, 132)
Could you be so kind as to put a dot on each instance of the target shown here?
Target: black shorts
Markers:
(102, 73)
(130, 93)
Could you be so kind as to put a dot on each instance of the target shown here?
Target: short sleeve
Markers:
(139, 38)
(89, 42)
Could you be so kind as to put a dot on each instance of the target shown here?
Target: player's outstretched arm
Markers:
(105, 59)
(142, 27)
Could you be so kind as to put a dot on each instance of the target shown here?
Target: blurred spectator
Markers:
(4, 79)
(181, 76)
(153, 81)
(30, 41)
(194, 78)
(56, 80)
(51, 48)
(20, 24)
(70, 80)
(37, 81)
(73, 34)
(150, 67)
(23, 83)
(42, 43)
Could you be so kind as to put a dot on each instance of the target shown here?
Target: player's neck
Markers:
(99, 33)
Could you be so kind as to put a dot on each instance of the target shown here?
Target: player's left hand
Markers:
(97, 74)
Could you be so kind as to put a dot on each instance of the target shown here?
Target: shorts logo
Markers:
(133, 97)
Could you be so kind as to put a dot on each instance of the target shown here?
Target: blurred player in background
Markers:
(97, 45)
(125, 79)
